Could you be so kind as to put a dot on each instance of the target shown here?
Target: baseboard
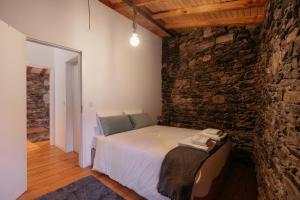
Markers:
(60, 147)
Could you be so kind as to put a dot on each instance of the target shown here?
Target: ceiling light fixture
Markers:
(134, 39)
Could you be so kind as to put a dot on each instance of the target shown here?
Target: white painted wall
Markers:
(39, 55)
(116, 76)
(12, 113)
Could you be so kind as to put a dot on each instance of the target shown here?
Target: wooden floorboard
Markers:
(37, 130)
(49, 168)
(239, 182)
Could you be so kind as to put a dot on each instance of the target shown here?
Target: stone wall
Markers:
(209, 80)
(245, 80)
(277, 149)
(37, 100)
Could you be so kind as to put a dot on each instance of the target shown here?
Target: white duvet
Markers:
(134, 158)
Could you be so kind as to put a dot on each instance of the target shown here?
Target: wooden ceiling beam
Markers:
(210, 8)
(107, 3)
(158, 23)
(43, 72)
(123, 5)
(218, 22)
(28, 71)
(148, 17)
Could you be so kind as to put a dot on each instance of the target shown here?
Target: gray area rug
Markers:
(88, 188)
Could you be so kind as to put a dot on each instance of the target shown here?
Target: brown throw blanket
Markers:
(179, 169)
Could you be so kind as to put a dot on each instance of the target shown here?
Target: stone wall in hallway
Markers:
(277, 149)
(209, 80)
(37, 100)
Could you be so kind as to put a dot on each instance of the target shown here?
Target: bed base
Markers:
(218, 183)
(215, 188)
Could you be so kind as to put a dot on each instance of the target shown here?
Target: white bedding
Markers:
(134, 158)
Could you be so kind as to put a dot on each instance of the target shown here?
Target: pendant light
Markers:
(134, 39)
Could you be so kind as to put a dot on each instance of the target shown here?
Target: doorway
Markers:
(62, 68)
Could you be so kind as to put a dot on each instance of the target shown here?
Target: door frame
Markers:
(72, 66)
(52, 129)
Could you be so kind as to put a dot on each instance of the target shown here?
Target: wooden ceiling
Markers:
(36, 70)
(164, 17)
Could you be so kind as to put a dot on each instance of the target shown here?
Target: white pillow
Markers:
(132, 111)
(105, 114)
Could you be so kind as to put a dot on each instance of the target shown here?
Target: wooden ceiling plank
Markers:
(210, 8)
(144, 23)
(218, 22)
(43, 72)
(149, 17)
(123, 5)
(107, 3)
(128, 13)
(28, 71)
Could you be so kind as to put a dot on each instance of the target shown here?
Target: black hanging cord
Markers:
(89, 6)
(149, 17)
(134, 19)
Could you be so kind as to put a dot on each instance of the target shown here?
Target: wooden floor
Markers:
(49, 168)
(37, 130)
(239, 182)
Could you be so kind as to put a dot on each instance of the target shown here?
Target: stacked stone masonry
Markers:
(277, 150)
(246, 81)
(37, 100)
(209, 80)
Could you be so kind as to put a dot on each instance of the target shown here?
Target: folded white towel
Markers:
(189, 143)
(200, 140)
(212, 131)
(213, 137)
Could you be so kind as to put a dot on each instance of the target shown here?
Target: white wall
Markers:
(39, 55)
(12, 113)
(116, 76)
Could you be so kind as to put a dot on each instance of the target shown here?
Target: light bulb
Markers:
(134, 40)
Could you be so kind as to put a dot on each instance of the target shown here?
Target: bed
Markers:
(134, 158)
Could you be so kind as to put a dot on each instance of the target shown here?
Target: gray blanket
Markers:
(179, 169)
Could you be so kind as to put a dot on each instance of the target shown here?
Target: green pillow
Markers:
(115, 124)
(140, 120)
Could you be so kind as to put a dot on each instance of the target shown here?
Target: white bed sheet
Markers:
(134, 158)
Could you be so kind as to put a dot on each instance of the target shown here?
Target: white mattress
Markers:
(134, 158)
